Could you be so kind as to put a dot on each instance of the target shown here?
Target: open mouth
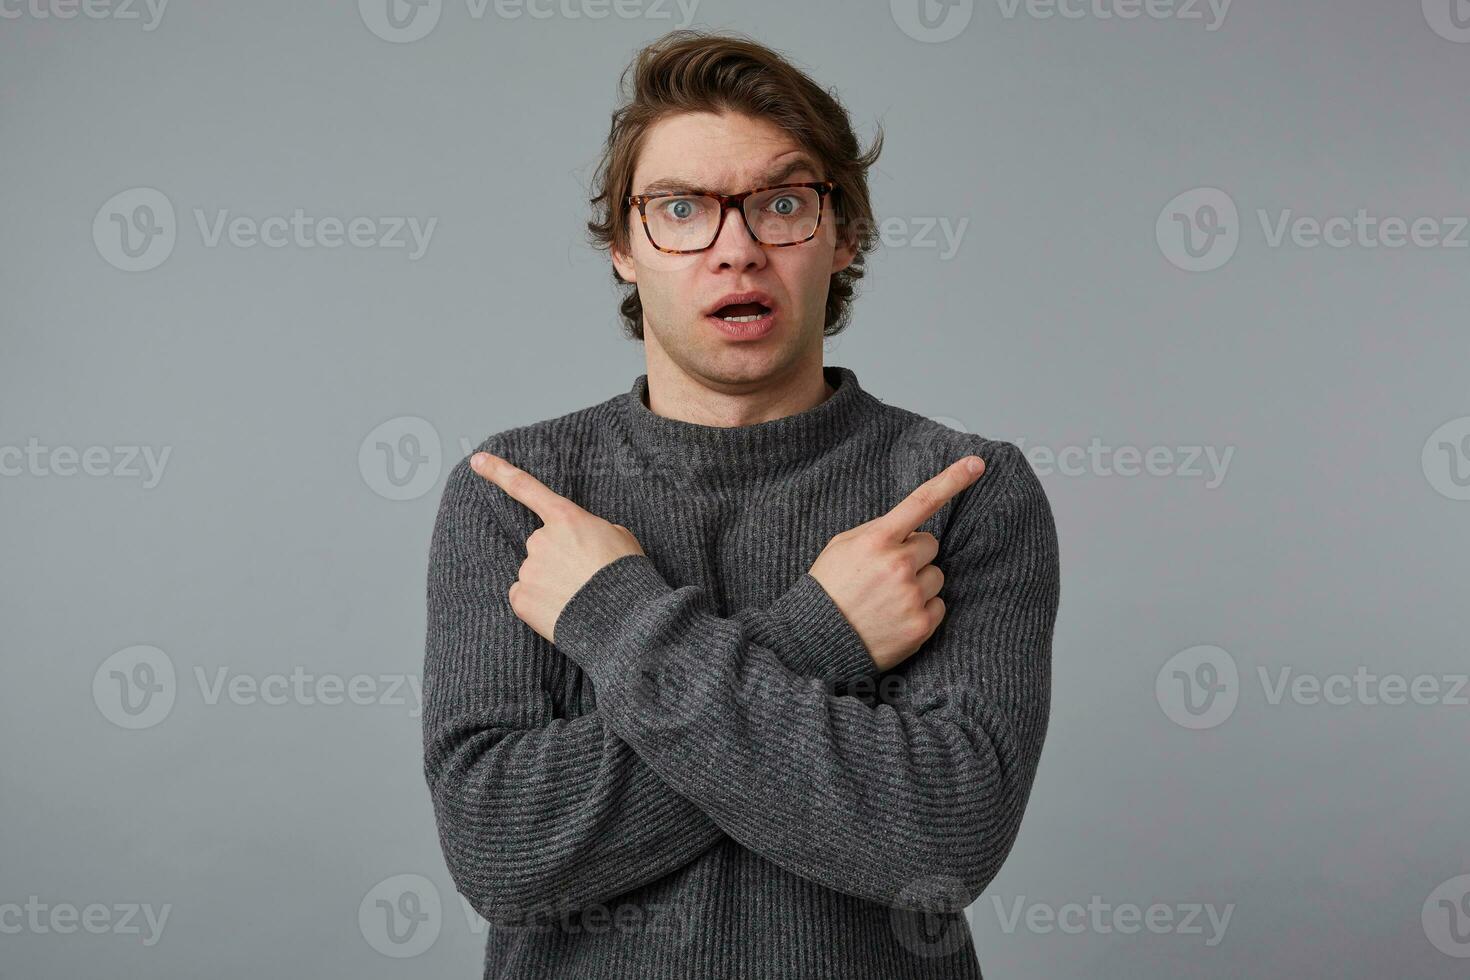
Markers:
(742, 312)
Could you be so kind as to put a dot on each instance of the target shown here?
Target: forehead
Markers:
(724, 151)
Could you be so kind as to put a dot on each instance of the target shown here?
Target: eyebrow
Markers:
(775, 175)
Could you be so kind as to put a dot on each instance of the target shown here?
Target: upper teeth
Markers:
(742, 319)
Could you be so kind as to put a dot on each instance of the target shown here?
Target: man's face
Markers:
(728, 153)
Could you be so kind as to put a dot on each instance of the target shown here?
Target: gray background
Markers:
(1335, 541)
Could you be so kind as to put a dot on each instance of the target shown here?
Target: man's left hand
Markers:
(561, 555)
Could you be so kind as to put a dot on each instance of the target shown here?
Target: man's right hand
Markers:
(879, 573)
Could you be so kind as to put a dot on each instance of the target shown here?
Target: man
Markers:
(742, 673)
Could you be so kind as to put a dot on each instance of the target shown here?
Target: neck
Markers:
(700, 451)
(686, 396)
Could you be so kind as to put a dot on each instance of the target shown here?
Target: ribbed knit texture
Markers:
(706, 776)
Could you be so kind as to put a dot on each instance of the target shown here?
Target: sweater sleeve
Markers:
(910, 803)
(808, 633)
(539, 814)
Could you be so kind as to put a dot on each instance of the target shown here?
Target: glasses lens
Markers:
(784, 215)
(681, 223)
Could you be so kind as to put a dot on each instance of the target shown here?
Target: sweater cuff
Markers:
(588, 626)
(825, 644)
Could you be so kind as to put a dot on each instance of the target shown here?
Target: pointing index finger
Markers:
(519, 484)
(930, 496)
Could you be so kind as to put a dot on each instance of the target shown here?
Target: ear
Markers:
(845, 249)
(624, 264)
(842, 256)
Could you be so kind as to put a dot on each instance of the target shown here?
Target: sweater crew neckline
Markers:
(748, 449)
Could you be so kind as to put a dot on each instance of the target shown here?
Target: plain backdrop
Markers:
(174, 638)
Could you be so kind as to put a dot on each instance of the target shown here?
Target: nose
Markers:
(734, 246)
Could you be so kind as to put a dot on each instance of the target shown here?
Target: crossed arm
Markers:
(709, 726)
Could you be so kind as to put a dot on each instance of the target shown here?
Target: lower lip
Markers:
(754, 330)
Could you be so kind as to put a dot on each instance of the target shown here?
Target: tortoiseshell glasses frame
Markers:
(736, 201)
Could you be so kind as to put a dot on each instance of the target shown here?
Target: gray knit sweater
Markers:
(707, 776)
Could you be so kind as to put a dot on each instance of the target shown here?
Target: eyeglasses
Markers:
(679, 222)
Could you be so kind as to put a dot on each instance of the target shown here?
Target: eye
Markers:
(786, 204)
(680, 208)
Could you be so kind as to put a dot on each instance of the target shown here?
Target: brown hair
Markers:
(697, 71)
